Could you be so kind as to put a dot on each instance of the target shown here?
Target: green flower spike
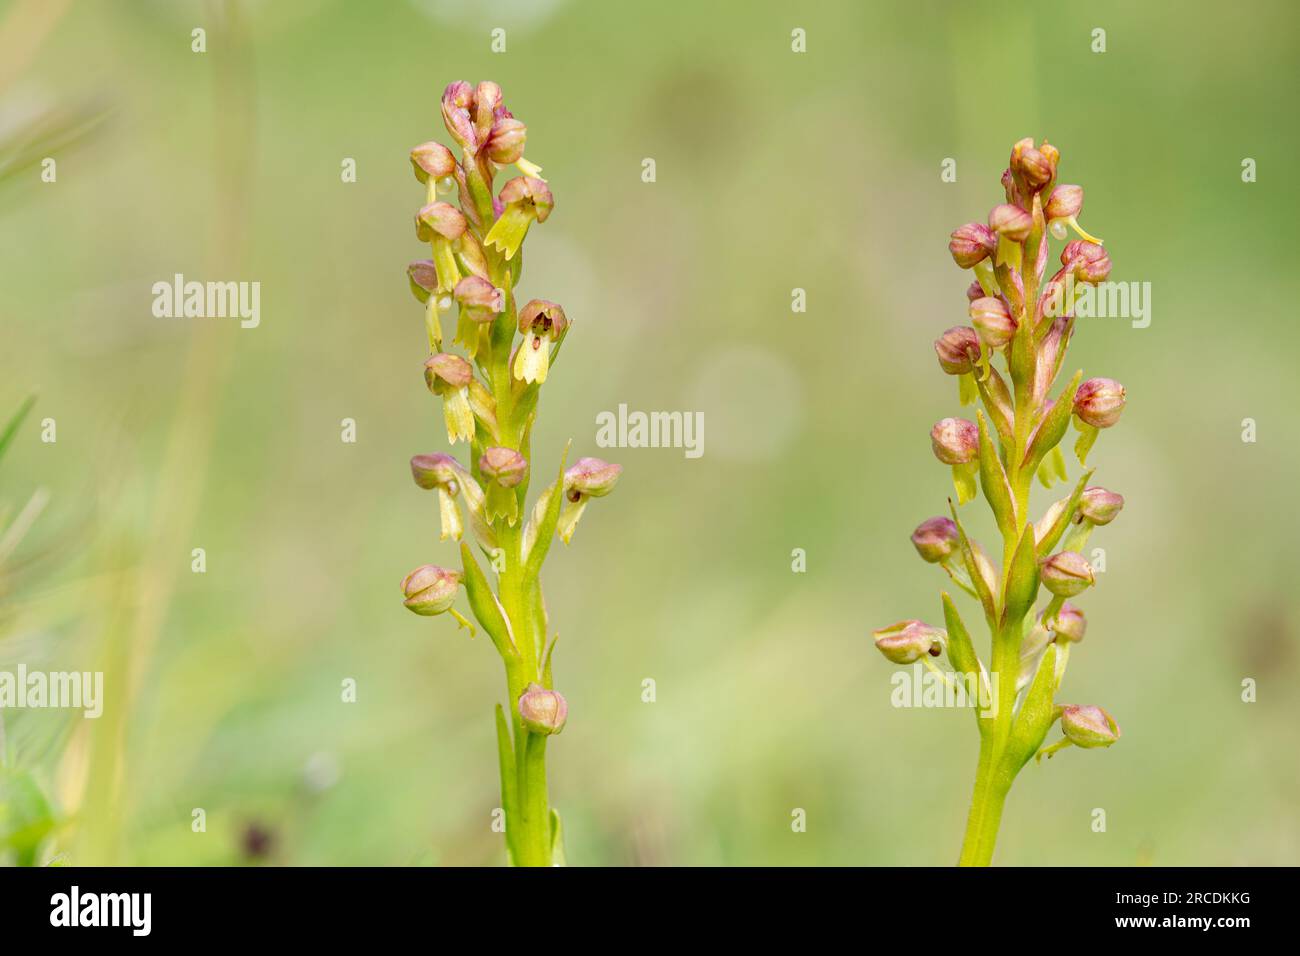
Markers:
(523, 199)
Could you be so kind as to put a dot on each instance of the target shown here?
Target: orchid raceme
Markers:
(1023, 320)
(489, 402)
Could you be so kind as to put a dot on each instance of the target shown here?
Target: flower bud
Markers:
(506, 141)
(1030, 165)
(591, 477)
(489, 105)
(1011, 221)
(1065, 203)
(434, 471)
(1087, 260)
(446, 371)
(1070, 623)
(430, 589)
(1067, 573)
(974, 291)
(503, 466)
(439, 218)
(971, 244)
(993, 321)
(1099, 401)
(457, 101)
(481, 300)
(423, 276)
(935, 539)
(909, 641)
(1088, 726)
(1051, 154)
(955, 441)
(432, 161)
(1100, 506)
(543, 711)
(958, 350)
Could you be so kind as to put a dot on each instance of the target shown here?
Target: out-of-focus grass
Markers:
(775, 170)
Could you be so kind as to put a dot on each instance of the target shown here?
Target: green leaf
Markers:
(993, 479)
(1048, 543)
(1087, 436)
(26, 818)
(1036, 715)
(546, 528)
(557, 840)
(506, 757)
(1052, 429)
(15, 421)
(485, 606)
(973, 568)
(961, 652)
(1022, 580)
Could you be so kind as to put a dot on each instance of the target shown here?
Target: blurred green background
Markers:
(776, 170)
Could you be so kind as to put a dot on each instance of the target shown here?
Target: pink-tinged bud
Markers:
(430, 590)
(909, 641)
(1067, 573)
(423, 276)
(432, 161)
(1051, 154)
(971, 244)
(543, 711)
(591, 478)
(1070, 623)
(974, 291)
(1099, 402)
(505, 142)
(439, 218)
(1088, 726)
(1100, 506)
(435, 471)
(935, 539)
(1030, 165)
(457, 103)
(505, 466)
(993, 321)
(447, 371)
(481, 300)
(958, 349)
(1010, 188)
(955, 441)
(1087, 260)
(488, 106)
(1065, 203)
(1011, 221)
(530, 192)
